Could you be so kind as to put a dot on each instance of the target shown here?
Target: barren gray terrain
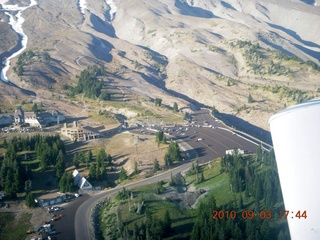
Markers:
(209, 53)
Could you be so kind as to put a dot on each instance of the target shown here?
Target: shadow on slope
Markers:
(161, 84)
(102, 26)
(244, 126)
(185, 9)
(101, 48)
(157, 57)
(310, 52)
(305, 50)
(24, 91)
(228, 6)
(294, 35)
(275, 46)
(310, 2)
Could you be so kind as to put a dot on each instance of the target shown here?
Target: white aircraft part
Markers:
(296, 139)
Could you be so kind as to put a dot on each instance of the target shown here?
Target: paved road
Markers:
(215, 141)
(82, 217)
(65, 226)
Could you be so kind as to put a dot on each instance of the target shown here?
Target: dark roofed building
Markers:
(6, 119)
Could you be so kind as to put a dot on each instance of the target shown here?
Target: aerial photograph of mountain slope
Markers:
(128, 82)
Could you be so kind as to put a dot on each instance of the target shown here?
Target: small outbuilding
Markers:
(51, 199)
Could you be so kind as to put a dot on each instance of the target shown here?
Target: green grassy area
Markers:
(146, 109)
(119, 210)
(218, 184)
(103, 118)
(214, 180)
(11, 228)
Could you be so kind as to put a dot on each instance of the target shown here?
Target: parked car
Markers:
(57, 208)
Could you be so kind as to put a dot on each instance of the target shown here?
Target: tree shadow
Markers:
(122, 163)
(185, 228)
(200, 151)
(116, 157)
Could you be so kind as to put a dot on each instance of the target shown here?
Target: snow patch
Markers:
(113, 8)
(16, 24)
(83, 6)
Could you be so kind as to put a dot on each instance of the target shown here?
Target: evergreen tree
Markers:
(166, 223)
(167, 160)
(201, 179)
(159, 136)
(156, 166)
(88, 158)
(158, 102)
(136, 171)
(123, 174)
(66, 183)
(101, 157)
(43, 162)
(175, 107)
(240, 202)
(93, 171)
(60, 165)
(75, 161)
(103, 172)
(156, 228)
(11, 153)
(135, 232)
(173, 153)
(81, 157)
(30, 200)
(98, 173)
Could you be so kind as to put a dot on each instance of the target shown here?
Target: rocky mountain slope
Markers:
(210, 53)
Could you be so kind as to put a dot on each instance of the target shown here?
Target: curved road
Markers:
(83, 230)
(215, 141)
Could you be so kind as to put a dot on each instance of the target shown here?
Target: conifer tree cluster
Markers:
(256, 183)
(98, 169)
(14, 175)
(153, 227)
(173, 154)
(66, 183)
(158, 102)
(90, 85)
(160, 137)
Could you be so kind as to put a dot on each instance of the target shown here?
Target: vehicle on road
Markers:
(57, 208)
(56, 218)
